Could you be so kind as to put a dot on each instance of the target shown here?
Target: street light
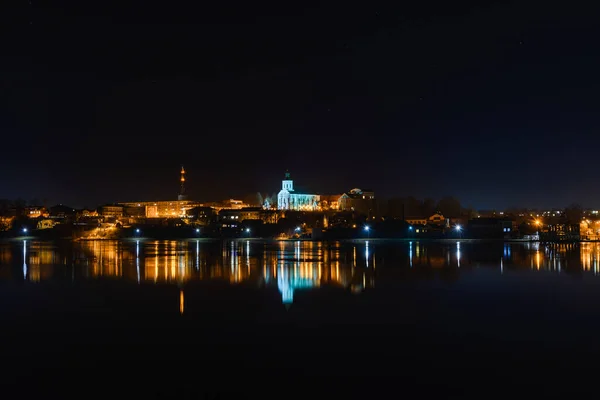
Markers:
(197, 230)
(458, 229)
(368, 230)
(137, 231)
(24, 230)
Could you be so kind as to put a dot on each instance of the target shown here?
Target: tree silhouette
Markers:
(428, 207)
(449, 207)
(574, 213)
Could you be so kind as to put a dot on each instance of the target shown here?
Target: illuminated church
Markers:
(288, 199)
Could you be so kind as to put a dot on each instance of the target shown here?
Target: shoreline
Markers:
(143, 238)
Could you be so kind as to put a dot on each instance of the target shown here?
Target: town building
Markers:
(358, 200)
(6, 222)
(86, 213)
(229, 204)
(60, 211)
(36, 212)
(201, 215)
(160, 209)
(289, 199)
(111, 210)
(330, 202)
(416, 220)
(490, 228)
(590, 229)
(436, 219)
(561, 231)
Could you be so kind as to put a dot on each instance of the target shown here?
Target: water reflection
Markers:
(290, 266)
(25, 260)
(181, 299)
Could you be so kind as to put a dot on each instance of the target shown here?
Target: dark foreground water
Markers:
(359, 319)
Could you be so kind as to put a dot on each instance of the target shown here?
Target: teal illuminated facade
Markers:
(287, 199)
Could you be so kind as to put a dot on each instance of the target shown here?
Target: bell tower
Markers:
(287, 183)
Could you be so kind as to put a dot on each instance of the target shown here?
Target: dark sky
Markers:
(496, 105)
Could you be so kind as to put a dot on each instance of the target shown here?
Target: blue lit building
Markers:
(288, 199)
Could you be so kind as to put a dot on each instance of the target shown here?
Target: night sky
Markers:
(496, 105)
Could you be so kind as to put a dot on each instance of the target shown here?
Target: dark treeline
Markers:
(396, 207)
(406, 207)
(7, 204)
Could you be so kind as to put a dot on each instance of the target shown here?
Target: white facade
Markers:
(287, 199)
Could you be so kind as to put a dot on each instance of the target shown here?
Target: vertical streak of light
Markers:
(137, 259)
(181, 301)
(320, 271)
(24, 259)
(373, 260)
(119, 261)
(410, 253)
(367, 253)
(181, 264)
(173, 265)
(166, 263)
(232, 256)
(458, 254)
(197, 254)
(364, 281)
(155, 262)
(248, 256)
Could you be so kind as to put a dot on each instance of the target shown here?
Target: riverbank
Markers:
(372, 240)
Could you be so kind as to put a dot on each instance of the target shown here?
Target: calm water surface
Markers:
(292, 266)
(300, 310)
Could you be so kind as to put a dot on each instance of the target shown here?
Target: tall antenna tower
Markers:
(182, 195)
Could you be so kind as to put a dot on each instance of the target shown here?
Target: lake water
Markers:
(257, 317)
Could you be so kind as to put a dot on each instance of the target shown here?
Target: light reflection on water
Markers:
(288, 265)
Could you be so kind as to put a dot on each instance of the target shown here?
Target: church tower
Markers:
(284, 196)
(287, 183)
